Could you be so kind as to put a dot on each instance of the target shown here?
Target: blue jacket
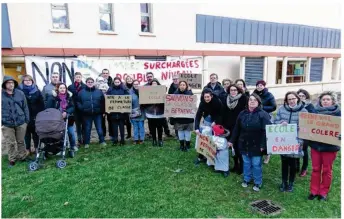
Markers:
(136, 106)
(268, 100)
(14, 108)
(91, 101)
(218, 90)
(117, 90)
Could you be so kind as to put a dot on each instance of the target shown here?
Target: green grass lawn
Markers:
(140, 181)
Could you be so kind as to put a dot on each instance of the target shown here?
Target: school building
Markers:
(288, 44)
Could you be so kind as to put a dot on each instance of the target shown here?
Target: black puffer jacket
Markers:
(91, 101)
(268, 100)
(214, 108)
(75, 90)
(249, 132)
(183, 120)
(173, 88)
(230, 115)
(217, 91)
(118, 90)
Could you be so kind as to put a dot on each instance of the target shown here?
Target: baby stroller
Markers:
(52, 132)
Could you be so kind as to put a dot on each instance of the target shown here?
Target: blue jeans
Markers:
(253, 166)
(184, 135)
(97, 119)
(139, 130)
(71, 136)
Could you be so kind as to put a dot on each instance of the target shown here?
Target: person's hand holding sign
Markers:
(197, 132)
(230, 144)
(284, 123)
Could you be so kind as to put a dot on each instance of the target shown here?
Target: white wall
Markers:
(173, 24)
(224, 67)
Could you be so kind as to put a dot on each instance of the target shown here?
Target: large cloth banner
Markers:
(320, 128)
(282, 139)
(42, 67)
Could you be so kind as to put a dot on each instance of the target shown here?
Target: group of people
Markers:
(229, 104)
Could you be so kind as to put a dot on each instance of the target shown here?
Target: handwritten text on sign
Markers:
(206, 147)
(282, 139)
(118, 103)
(181, 106)
(194, 80)
(152, 94)
(320, 128)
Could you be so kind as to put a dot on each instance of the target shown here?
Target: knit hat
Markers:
(218, 130)
(262, 82)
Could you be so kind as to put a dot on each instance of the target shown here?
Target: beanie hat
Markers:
(261, 82)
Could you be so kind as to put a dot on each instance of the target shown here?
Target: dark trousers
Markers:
(31, 132)
(238, 160)
(154, 126)
(117, 123)
(288, 168)
(165, 126)
(305, 157)
(128, 125)
(109, 125)
(79, 126)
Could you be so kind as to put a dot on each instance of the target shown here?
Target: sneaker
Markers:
(322, 198)
(103, 144)
(267, 159)
(244, 184)
(303, 173)
(87, 145)
(256, 188)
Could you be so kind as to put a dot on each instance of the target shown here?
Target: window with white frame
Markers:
(146, 17)
(106, 17)
(59, 14)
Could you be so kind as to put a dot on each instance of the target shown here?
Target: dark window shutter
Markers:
(316, 69)
(151, 58)
(254, 70)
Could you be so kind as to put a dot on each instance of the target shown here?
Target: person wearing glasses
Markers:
(289, 114)
(306, 99)
(250, 135)
(91, 103)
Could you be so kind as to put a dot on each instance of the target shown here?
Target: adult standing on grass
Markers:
(214, 86)
(107, 79)
(306, 99)
(268, 103)
(63, 101)
(137, 115)
(235, 102)
(47, 89)
(127, 123)
(91, 103)
(75, 88)
(117, 119)
(35, 104)
(173, 88)
(322, 154)
(184, 126)
(210, 109)
(289, 114)
(242, 85)
(15, 116)
(250, 135)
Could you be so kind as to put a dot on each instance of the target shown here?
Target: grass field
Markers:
(141, 181)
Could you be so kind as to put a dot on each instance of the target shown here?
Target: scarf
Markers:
(129, 86)
(136, 91)
(296, 108)
(63, 101)
(307, 102)
(77, 86)
(29, 89)
(330, 110)
(232, 102)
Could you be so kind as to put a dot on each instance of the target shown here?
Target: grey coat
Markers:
(14, 108)
(47, 90)
(291, 116)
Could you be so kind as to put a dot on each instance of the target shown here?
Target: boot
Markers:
(181, 147)
(290, 187)
(283, 186)
(187, 146)
(154, 143)
(161, 143)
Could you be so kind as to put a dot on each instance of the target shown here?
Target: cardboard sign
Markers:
(180, 106)
(320, 128)
(152, 94)
(118, 103)
(206, 147)
(194, 80)
(282, 139)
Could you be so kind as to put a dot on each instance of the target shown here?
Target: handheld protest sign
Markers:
(118, 103)
(282, 139)
(181, 106)
(152, 94)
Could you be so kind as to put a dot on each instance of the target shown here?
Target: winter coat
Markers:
(230, 115)
(173, 88)
(53, 101)
(214, 108)
(75, 90)
(14, 108)
(117, 90)
(310, 107)
(183, 120)
(268, 100)
(35, 102)
(217, 91)
(47, 91)
(136, 106)
(323, 147)
(249, 132)
(291, 116)
(91, 101)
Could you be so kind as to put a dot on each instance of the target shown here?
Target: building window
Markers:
(146, 17)
(296, 72)
(59, 13)
(106, 17)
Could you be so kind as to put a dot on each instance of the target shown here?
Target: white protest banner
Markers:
(118, 103)
(42, 67)
(282, 139)
(152, 94)
(181, 106)
(206, 147)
